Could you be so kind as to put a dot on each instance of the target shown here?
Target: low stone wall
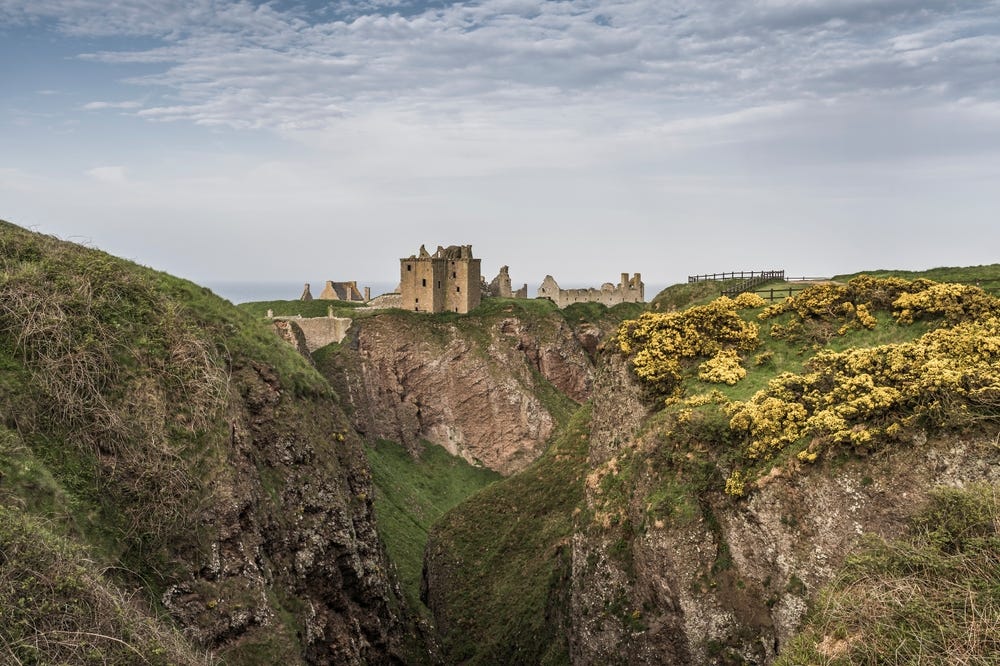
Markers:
(320, 331)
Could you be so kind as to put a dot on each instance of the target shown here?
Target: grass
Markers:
(313, 308)
(56, 607)
(501, 560)
(412, 494)
(930, 598)
(121, 393)
(114, 361)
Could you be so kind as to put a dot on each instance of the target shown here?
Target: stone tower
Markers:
(448, 280)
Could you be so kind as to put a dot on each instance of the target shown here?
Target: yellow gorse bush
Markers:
(861, 396)
(723, 368)
(948, 301)
(660, 344)
(749, 301)
(853, 304)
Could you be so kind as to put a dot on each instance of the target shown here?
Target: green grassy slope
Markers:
(501, 561)
(313, 308)
(129, 399)
(412, 495)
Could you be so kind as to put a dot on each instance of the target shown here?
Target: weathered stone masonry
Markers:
(449, 280)
(627, 291)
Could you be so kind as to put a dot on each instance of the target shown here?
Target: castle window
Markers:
(454, 274)
(459, 289)
(439, 284)
(423, 282)
(409, 267)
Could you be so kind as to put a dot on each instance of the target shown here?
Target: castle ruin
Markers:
(629, 290)
(448, 280)
(343, 291)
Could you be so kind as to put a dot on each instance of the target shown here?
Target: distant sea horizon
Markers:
(248, 292)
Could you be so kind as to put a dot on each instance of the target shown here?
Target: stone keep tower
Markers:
(447, 280)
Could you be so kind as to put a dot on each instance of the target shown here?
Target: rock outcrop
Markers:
(473, 389)
(197, 461)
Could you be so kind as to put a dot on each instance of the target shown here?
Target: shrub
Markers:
(723, 368)
(952, 302)
(660, 345)
(861, 396)
(748, 300)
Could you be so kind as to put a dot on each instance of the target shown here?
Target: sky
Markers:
(298, 141)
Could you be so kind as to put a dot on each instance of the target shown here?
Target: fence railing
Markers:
(756, 281)
(734, 275)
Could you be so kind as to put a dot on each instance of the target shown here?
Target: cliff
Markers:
(732, 460)
(703, 483)
(202, 494)
(490, 387)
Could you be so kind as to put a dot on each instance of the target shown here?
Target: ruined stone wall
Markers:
(318, 331)
(340, 291)
(629, 290)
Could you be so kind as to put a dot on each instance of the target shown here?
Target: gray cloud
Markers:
(822, 122)
(246, 65)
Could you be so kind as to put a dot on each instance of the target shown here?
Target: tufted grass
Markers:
(932, 597)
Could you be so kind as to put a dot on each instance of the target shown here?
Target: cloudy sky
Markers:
(298, 140)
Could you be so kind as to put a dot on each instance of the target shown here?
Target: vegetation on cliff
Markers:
(413, 493)
(181, 467)
(499, 564)
(872, 362)
(930, 597)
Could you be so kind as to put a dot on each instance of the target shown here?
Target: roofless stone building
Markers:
(448, 280)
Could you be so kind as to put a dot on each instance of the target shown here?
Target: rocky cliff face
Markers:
(194, 456)
(291, 525)
(485, 391)
(728, 581)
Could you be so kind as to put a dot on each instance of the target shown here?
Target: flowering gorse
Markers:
(661, 346)
(723, 368)
(951, 302)
(862, 396)
(749, 301)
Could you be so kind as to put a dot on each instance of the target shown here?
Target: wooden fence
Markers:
(754, 281)
(735, 275)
